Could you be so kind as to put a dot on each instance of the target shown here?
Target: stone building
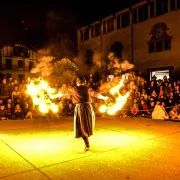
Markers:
(146, 34)
(17, 59)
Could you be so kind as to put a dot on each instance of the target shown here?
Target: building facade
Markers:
(146, 34)
(17, 60)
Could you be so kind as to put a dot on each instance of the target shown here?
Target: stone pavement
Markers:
(121, 149)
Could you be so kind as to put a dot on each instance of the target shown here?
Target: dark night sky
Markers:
(67, 16)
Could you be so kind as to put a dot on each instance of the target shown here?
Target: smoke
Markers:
(120, 68)
(116, 63)
(56, 71)
(44, 66)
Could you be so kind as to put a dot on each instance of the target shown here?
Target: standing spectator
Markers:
(4, 89)
(16, 94)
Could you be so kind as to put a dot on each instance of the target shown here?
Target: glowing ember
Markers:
(42, 95)
(113, 108)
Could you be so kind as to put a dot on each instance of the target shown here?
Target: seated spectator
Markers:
(134, 110)
(27, 111)
(3, 113)
(159, 111)
(9, 111)
(18, 113)
(144, 108)
(174, 114)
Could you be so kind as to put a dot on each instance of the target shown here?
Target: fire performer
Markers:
(84, 117)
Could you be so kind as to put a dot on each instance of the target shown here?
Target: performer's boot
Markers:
(86, 141)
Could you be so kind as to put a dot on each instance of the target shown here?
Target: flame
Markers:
(112, 108)
(102, 97)
(42, 95)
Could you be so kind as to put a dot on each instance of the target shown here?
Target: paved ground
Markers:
(133, 149)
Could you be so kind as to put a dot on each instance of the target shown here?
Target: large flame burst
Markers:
(112, 108)
(43, 95)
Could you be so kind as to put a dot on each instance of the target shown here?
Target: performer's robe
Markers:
(84, 117)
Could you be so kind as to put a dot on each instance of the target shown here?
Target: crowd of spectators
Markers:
(157, 99)
(14, 103)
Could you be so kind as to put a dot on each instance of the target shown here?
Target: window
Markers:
(92, 31)
(167, 44)
(134, 15)
(159, 46)
(20, 64)
(161, 7)
(31, 65)
(20, 51)
(81, 35)
(151, 47)
(143, 13)
(8, 64)
(151, 9)
(97, 30)
(104, 27)
(110, 25)
(178, 4)
(172, 5)
(7, 51)
(86, 34)
(125, 19)
(118, 22)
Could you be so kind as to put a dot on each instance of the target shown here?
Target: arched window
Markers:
(117, 48)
